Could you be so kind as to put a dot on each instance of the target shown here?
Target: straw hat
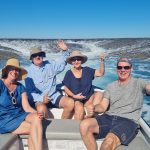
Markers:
(36, 50)
(15, 63)
(76, 54)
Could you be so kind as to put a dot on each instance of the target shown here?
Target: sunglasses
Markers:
(125, 67)
(13, 68)
(76, 59)
(13, 98)
(37, 55)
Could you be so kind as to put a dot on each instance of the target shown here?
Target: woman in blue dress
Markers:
(16, 115)
(78, 83)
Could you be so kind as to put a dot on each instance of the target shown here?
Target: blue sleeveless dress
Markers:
(11, 115)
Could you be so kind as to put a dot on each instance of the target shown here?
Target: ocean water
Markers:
(92, 48)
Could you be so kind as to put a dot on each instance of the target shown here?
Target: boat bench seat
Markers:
(60, 129)
(137, 144)
(7, 140)
(65, 129)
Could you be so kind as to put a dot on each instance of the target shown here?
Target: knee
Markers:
(84, 127)
(37, 122)
(70, 104)
(112, 137)
(78, 107)
(111, 140)
(41, 107)
(36, 119)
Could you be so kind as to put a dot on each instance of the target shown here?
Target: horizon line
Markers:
(73, 38)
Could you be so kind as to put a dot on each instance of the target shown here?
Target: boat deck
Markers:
(63, 135)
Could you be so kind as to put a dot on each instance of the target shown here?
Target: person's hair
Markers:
(123, 59)
(6, 71)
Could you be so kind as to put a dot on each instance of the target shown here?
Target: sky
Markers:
(74, 19)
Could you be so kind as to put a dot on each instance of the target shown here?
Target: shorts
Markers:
(81, 101)
(50, 104)
(56, 104)
(125, 129)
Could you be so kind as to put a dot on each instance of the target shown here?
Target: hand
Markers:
(89, 110)
(46, 99)
(41, 115)
(79, 96)
(102, 56)
(61, 44)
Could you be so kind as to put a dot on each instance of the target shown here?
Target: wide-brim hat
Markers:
(15, 63)
(36, 50)
(76, 53)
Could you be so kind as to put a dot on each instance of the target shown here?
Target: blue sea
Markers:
(136, 49)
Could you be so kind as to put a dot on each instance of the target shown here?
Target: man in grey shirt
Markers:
(122, 104)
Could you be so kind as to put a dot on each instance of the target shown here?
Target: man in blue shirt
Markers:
(41, 82)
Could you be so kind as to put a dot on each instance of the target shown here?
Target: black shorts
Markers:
(56, 104)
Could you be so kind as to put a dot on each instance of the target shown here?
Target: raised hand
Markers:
(62, 45)
(102, 56)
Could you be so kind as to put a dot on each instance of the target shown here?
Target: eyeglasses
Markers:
(76, 58)
(11, 68)
(13, 98)
(37, 55)
(125, 67)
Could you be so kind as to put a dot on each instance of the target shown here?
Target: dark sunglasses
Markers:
(37, 55)
(13, 98)
(76, 58)
(11, 68)
(125, 67)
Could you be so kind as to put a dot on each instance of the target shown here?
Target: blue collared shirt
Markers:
(42, 80)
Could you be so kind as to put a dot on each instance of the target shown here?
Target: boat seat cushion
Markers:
(137, 143)
(66, 129)
(6, 140)
(62, 129)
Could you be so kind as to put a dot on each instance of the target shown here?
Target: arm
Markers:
(99, 108)
(148, 89)
(59, 65)
(68, 92)
(25, 104)
(102, 106)
(100, 72)
(32, 91)
(76, 96)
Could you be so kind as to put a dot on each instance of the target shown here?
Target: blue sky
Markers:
(74, 18)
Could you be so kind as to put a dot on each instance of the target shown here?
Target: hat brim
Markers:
(84, 59)
(22, 73)
(42, 53)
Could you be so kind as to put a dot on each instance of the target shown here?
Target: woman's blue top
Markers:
(11, 115)
(80, 85)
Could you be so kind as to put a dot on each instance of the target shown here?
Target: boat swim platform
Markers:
(63, 134)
